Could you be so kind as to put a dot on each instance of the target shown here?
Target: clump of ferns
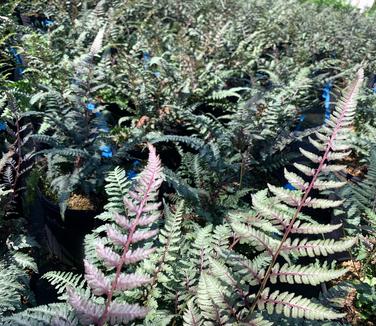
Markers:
(245, 143)
(235, 287)
(128, 240)
(76, 132)
(17, 160)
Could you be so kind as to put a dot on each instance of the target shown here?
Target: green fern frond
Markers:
(10, 287)
(295, 306)
(25, 261)
(116, 188)
(191, 316)
(62, 280)
(310, 274)
(211, 299)
(48, 315)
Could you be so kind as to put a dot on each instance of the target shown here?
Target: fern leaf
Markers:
(324, 185)
(191, 315)
(295, 180)
(87, 311)
(62, 280)
(96, 279)
(312, 157)
(255, 237)
(294, 306)
(116, 188)
(117, 251)
(310, 274)
(25, 261)
(210, 298)
(97, 43)
(56, 314)
(290, 197)
(322, 203)
(314, 248)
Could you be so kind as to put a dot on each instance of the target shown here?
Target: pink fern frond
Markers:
(143, 235)
(142, 211)
(149, 219)
(131, 281)
(87, 312)
(123, 221)
(110, 258)
(116, 236)
(96, 279)
(151, 178)
(130, 205)
(135, 195)
(124, 313)
(134, 256)
(151, 207)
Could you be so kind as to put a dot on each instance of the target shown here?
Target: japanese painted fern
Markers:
(279, 232)
(125, 244)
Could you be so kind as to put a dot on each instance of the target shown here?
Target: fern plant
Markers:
(127, 242)
(273, 229)
(17, 160)
(75, 132)
(16, 262)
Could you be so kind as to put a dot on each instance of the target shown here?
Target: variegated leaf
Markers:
(311, 156)
(322, 203)
(96, 279)
(299, 274)
(304, 169)
(295, 180)
(290, 197)
(323, 185)
(131, 281)
(110, 258)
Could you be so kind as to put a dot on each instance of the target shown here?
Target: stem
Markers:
(241, 171)
(18, 151)
(305, 196)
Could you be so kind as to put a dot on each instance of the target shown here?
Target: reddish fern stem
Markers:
(125, 250)
(306, 194)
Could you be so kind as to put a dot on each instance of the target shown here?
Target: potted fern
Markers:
(76, 153)
(75, 132)
(77, 156)
(73, 165)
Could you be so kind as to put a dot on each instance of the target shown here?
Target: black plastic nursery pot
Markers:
(66, 237)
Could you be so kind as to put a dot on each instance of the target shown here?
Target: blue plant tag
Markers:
(326, 95)
(289, 186)
(90, 106)
(131, 174)
(3, 126)
(106, 151)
